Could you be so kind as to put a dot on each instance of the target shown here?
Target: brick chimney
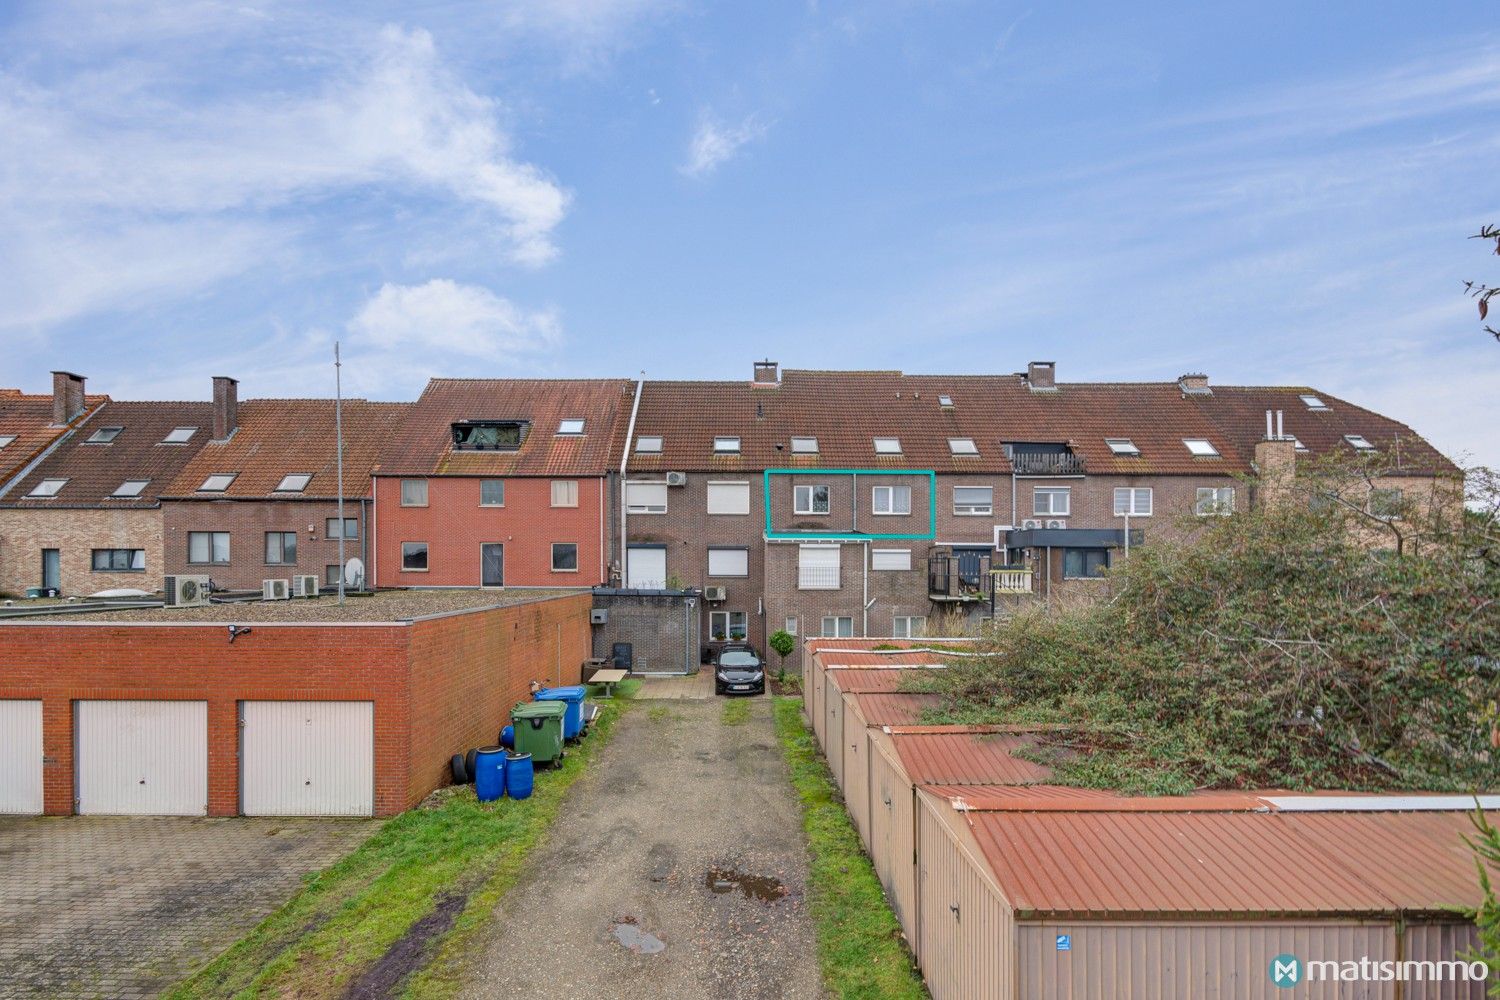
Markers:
(1194, 384)
(1275, 462)
(766, 373)
(67, 397)
(226, 407)
(1042, 374)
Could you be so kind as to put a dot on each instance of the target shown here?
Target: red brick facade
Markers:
(439, 685)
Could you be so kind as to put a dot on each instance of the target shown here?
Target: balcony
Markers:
(966, 575)
(1030, 463)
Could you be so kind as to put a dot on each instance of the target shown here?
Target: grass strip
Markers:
(860, 949)
(349, 915)
(736, 713)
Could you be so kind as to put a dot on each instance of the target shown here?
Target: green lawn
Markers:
(450, 864)
(860, 949)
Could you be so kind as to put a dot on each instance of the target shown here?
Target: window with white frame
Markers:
(414, 493)
(47, 488)
(217, 483)
(565, 557)
(838, 627)
(804, 446)
(726, 446)
(973, 500)
(962, 446)
(7, 439)
(945, 401)
(1214, 500)
(728, 626)
(791, 625)
(492, 493)
(1200, 448)
(890, 559)
(570, 426)
(648, 444)
(645, 498)
(1312, 402)
(130, 488)
(1133, 500)
(727, 561)
(1051, 501)
(818, 567)
(1359, 442)
(887, 446)
(1123, 447)
(810, 499)
(729, 498)
(909, 626)
(179, 435)
(565, 493)
(294, 482)
(890, 500)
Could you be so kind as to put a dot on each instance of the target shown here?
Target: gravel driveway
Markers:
(676, 870)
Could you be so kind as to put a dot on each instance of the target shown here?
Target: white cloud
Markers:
(715, 144)
(449, 318)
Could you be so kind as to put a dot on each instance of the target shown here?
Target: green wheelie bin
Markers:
(539, 729)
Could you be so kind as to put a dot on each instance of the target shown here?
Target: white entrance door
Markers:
(143, 758)
(307, 758)
(21, 757)
(646, 567)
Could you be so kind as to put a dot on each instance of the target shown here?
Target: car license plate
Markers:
(740, 687)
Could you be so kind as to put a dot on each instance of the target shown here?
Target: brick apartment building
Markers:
(500, 482)
(259, 500)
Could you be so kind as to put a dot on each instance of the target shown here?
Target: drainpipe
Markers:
(364, 536)
(864, 625)
(624, 464)
(603, 501)
(374, 563)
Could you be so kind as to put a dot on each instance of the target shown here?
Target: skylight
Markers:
(648, 444)
(571, 425)
(1200, 447)
(1123, 446)
(294, 483)
(217, 483)
(1300, 446)
(104, 435)
(1359, 441)
(6, 439)
(726, 446)
(179, 435)
(804, 446)
(945, 401)
(963, 446)
(887, 446)
(1313, 402)
(48, 488)
(131, 488)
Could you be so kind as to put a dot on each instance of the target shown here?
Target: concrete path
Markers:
(676, 870)
(102, 906)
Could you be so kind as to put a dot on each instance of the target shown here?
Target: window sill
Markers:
(117, 571)
(407, 569)
(974, 513)
(495, 505)
(555, 570)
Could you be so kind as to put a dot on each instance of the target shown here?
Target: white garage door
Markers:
(143, 758)
(21, 757)
(307, 758)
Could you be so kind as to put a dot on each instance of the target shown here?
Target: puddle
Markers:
(761, 887)
(639, 941)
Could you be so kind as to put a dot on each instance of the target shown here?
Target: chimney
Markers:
(1042, 374)
(766, 373)
(226, 407)
(1194, 384)
(1275, 462)
(67, 397)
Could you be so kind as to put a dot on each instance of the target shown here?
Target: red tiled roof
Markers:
(422, 443)
(29, 419)
(279, 437)
(95, 471)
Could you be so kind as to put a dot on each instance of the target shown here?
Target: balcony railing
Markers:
(817, 578)
(1046, 464)
(1012, 580)
(969, 576)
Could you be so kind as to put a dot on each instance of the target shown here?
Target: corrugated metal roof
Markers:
(865, 681)
(967, 758)
(895, 709)
(1048, 798)
(833, 660)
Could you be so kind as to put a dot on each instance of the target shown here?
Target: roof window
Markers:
(1313, 402)
(570, 425)
(6, 439)
(218, 482)
(648, 444)
(726, 446)
(104, 435)
(47, 488)
(294, 483)
(946, 402)
(887, 446)
(179, 435)
(963, 446)
(1360, 442)
(1123, 446)
(1201, 448)
(804, 446)
(130, 488)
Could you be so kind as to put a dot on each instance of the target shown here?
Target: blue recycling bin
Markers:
(519, 776)
(489, 773)
(573, 698)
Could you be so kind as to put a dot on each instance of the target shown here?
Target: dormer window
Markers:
(726, 446)
(1359, 442)
(490, 435)
(648, 444)
(804, 446)
(294, 483)
(1200, 448)
(217, 483)
(963, 446)
(1312, 402)
(571, 425)
(1123, 447)
(130, 488)
(179, 435)
(887, 446)
(104, 435)
(47, 488)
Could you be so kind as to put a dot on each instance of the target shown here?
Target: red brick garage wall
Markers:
(64, 663)
(468, 670)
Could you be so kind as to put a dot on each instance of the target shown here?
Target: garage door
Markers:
(143, 758)
(21, 757)
(307, 758)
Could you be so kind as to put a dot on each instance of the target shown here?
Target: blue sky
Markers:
(1277, 193)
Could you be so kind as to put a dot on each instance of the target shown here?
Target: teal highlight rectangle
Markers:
(830, 535)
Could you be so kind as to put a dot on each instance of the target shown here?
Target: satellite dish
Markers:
(354, 574)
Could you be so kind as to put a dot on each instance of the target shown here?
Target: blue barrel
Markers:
(573, 697)
(518, 775)
(508, 737)
(489, 773)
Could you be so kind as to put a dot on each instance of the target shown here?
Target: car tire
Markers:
(469, 763)
(460, 773)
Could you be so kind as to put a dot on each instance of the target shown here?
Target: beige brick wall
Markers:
(76, 533)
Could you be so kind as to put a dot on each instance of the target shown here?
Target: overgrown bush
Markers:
(1308, 643)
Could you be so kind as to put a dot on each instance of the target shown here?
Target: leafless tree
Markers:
(1479, 290)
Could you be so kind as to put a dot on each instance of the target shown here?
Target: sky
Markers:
(1271, 193)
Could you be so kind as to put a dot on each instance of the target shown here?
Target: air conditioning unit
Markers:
(1057, 524)
(715, 594)
(677, 479)
(275, 590)
(1030, 524)
(305, 586)
(186, 591)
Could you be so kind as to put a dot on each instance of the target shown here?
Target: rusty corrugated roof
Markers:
(895, 709)
(863, 681)
(943, 756)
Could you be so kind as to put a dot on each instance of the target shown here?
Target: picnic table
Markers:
(608, 679)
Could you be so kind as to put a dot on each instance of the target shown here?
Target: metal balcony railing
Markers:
(1036, 464)
(969, 576)
(817, 578)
